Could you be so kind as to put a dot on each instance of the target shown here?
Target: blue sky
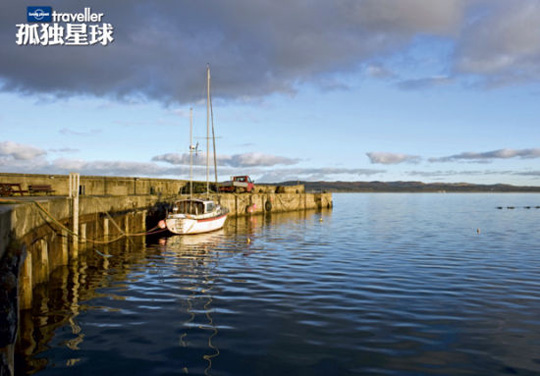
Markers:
(351, 90)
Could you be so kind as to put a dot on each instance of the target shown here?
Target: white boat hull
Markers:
(183, 225)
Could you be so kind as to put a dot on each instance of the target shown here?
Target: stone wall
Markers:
(98, 185)
(246, 204)
(19, 220)
(266, 188)
(122, 186)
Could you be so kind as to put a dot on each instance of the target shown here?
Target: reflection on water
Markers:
(170, 278)
(383, 285)
(187, 251)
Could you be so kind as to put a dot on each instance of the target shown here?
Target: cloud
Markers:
(246, 145)
(177, 159)
(535, 174)
(259, 159)
(161, 48)
(19, 158)
(450, 173)
(237, 160)
(10, 150)
(424, 83)
(128, 168)
(392, 158)
(315, 174)
(112, 168)
(379, 71)
(99, 168)
(72, 132)
(64, 150)
(131, 169)
(501, 45)
(490, 155)
(16, 157)
(439, 18)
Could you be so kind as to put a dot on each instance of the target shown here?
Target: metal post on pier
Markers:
(74, 182)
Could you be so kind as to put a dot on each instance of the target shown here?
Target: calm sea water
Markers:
(385, 284)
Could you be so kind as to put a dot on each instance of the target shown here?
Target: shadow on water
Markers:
(58, 302)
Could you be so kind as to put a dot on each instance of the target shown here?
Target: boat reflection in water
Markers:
(199, 254)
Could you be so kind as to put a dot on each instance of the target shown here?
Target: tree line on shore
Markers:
(408, 186)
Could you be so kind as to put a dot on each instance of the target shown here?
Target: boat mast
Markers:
(214, 143)
(207, 130)
(191, 149)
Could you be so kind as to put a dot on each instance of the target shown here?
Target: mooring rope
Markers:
(152, 231)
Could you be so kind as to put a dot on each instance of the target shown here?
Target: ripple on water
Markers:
(384, 285)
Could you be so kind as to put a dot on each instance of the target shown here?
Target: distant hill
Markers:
(407, 186)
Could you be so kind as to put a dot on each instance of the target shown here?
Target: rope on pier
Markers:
(152, 231)
(7, 201)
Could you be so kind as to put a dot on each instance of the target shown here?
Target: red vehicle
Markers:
(238, 184)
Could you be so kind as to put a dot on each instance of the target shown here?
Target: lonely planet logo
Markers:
(38, 14)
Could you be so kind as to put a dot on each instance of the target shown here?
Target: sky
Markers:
(349, 90)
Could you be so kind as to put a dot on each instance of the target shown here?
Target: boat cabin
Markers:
(193, 207)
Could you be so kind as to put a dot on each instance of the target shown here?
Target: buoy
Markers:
(248, 240)
(320, 219)
(162, 224)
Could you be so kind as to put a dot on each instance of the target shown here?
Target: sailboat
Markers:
(193, 215)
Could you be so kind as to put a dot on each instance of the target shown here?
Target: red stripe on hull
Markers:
(211, 219)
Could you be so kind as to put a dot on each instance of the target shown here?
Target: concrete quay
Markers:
(98, 185)
(26, 220)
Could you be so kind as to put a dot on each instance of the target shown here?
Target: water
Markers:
(385, 284)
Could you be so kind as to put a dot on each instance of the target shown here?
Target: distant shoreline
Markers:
(410, 187)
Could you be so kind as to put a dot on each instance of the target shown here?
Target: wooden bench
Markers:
(9, 189)
(44, 188)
